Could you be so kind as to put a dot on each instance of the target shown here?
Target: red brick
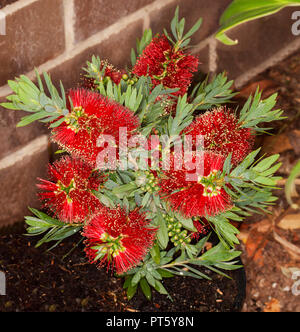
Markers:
(18, 189)
(191, 10)
(6, 2)
(34, 34)
(114, 49)
(11, 137)
(95, 15)
(203, 56)
(258, 40)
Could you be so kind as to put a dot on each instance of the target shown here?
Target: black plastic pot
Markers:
(241, 282)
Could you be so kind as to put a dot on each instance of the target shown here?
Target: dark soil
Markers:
(41, 281)
(4, 3)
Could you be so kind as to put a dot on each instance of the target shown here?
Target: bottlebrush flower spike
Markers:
(92, 115)
(167, 66)
(118, 239)
(202, 226)
(68, 193)
(109, 73)
(203, 197)
(222, 134)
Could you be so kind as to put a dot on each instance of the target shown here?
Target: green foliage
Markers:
(257, 111)
(212, 94)
(31, 98)
(124, 94)
(56, 230)
(182, 118)
(241, 11)
(151, 273)
(181, 40)
(252, 174)
(151, 112)
(147, 275)
(95, 70)
(162, 234)
(141, 44)
(250, 185)
(147, 103)
(224, 229)
(252, 182)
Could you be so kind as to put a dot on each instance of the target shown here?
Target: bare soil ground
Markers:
(271, 243)
(40, 281)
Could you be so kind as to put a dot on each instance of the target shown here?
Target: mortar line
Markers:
(213, 55)
(92, 40)
(35, 146)
(276, 58)
(15, 6)
(146, 24)
(200, 46)
(69, 21)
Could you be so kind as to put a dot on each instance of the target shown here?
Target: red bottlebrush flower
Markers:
(222, 134)
(167, 66)
(68, 193)
(92, 115)
(110, 72)
(119, 239)
(197, 192)
(202, 227)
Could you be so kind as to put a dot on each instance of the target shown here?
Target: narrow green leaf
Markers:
(241, 11)
(131, 290)
(136, 279)
(162, 234)
(160, 288)
(174, 23)
(220, 253)
(266, 163)
(127, 282)
(223, 38)
(165, 274)
(31, 118)
(194, 28)
(145, 288)
(187, 223)
(57, 123)
(155, 254)
(9, 106)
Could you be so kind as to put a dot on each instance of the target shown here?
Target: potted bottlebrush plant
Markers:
(151, 166)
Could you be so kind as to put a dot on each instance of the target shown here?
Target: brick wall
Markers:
(59, 36)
